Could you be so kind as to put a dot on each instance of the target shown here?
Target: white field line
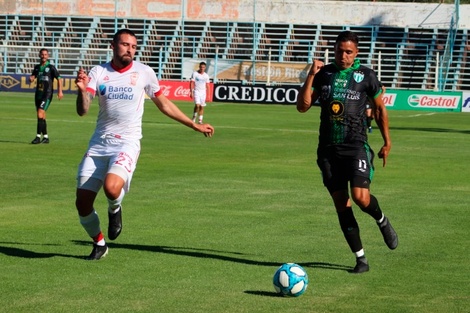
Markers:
(416, 115)
(93, 121)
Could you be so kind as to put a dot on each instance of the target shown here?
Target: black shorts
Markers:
(341, 165)
(41, 104)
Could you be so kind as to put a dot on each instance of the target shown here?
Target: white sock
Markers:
(91, 224)
(381, 219)
(115, 205)
(359, 253)
(200, 118)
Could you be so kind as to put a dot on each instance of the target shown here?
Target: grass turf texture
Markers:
(208, 221)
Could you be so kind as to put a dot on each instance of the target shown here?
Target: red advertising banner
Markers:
(179, 90)
(173, 90)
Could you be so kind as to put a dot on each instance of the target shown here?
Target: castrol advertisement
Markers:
(423, 100)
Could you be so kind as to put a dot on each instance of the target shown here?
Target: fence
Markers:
(405, 58)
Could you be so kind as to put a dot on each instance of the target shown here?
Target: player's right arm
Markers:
(34, 74)
(191, 87)
(83, 97)
(167, 107)
(307, 96)
(381, 118)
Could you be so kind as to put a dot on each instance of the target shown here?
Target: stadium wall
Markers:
(273, 11)
(418, 100)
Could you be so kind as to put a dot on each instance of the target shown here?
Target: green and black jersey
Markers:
(45, 75)
(343, 96)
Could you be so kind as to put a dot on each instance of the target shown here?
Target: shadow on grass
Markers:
(16, 141)
(432, 129)
(29, 254)
(265, 293)
(214, 254)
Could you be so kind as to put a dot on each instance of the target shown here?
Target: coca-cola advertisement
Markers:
(179, 90)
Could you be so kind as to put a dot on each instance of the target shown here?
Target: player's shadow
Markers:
(16, 141)
(264, 293)
(432, 129)
(30, 254)
(215, 254)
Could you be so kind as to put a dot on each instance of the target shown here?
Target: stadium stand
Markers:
(405, 58)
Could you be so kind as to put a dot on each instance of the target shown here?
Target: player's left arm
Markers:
(208, 88)
(191, 87)
(60, 94)
(170, 109)
(381, 118)
(55, 74)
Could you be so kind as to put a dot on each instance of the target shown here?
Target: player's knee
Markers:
(113, 185)
(361, 200)
(84, 205)
(112, 191)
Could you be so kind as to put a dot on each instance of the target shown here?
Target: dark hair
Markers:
(202, 63)
(123, 31)
(43, 49)
(347, 35)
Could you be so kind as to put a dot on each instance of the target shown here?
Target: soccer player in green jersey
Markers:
(343, 89)
(45, 73)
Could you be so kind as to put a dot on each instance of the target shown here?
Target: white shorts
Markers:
(108, 156)
(200, 98)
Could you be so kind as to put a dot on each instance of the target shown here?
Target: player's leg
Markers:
(370, 205)
(39, 123)
(360, 192)
(201, 114)
(202, 104)
(195, 110)
(117, 183)
(350, 228)
(196, 106)
(336, 182)
(88, 216)
(89, 182)
(369, 119)
(42, 107)
(114, 191)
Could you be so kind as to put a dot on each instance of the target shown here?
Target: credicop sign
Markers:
(423, 100)
(283, 94)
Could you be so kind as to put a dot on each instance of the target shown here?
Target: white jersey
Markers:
(200, 81)
(121, 95)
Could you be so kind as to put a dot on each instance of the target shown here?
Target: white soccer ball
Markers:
(290, 280)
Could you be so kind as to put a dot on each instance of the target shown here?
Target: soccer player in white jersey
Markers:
(114, 147)
(199, 88)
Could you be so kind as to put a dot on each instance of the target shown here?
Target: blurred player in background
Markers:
(114, 148)
(199, 89)
(369, 115)
(344, 157)
(45, 73)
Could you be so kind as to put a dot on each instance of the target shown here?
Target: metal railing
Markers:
(404, 58)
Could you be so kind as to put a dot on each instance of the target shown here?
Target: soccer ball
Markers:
(290, 280)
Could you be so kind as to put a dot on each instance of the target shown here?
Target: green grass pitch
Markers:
(208, 220)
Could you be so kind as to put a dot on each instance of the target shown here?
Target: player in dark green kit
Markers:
(45, 73)
(343, 89)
